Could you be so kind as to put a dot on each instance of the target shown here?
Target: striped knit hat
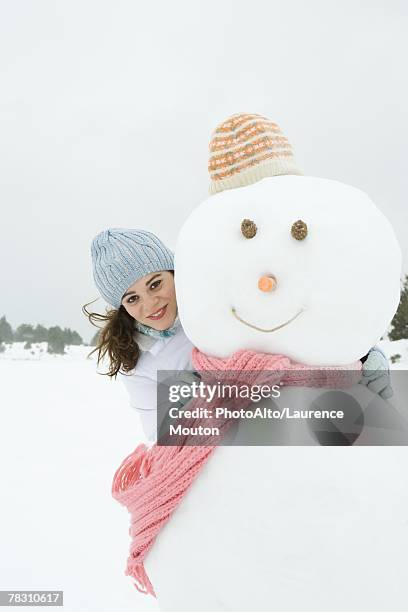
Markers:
(245, 149)
(121, 256)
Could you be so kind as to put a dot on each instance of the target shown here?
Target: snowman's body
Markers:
(288, 528)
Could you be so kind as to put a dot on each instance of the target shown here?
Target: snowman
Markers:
(281, 263)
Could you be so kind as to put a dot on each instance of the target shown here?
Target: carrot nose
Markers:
(267, 283)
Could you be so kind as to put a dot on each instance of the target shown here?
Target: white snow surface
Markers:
(65, 430)
(38, 352)
(398, 347)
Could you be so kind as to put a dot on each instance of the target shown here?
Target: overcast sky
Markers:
(106, 110)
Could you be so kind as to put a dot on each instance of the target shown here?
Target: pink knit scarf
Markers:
(151, 482)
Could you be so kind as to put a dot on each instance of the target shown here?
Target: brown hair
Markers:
(115, 339)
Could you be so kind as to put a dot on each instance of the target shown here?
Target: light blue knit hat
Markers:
(121, 256)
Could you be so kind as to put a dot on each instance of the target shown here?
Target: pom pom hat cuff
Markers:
(245, 149)
(120, 257)
(262, 170)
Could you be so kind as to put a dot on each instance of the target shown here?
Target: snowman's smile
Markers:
(234, 312)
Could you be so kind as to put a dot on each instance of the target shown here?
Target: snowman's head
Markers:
(302, 266)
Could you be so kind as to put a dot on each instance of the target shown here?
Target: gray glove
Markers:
(376, 373)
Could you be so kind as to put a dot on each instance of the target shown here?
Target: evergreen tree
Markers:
(40, 333)
(399, 324)
(72, 337)
(94, 340)
(76, 339)
(56, 343)
(67, 335)
(6, 332)
(24, 333)
(2, 347)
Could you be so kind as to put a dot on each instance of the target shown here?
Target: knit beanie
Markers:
(245, 149)
(121, 256)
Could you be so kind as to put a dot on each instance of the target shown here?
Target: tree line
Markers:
(56, 337)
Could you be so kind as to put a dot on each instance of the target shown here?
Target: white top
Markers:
(172, 353)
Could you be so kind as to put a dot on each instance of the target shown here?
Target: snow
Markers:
(398, 347)
(65, 431)
(38, 352)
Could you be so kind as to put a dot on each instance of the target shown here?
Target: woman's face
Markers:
(152, 300)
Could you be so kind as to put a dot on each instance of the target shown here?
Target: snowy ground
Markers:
(38, 352)
(65, 431)
(400, 347)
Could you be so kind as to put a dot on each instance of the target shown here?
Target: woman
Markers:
(134, 272)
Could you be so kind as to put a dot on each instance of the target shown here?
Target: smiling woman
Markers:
(141, 333)
(151, 301)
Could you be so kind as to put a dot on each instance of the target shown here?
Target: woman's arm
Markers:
(143, 398)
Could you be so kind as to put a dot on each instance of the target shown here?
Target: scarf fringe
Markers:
(134, 467)
(141, 579)
(150, 483)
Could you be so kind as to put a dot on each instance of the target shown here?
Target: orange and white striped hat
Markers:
(245, 149)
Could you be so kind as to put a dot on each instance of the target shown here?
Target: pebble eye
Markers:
(248, 228)
(299, 230)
